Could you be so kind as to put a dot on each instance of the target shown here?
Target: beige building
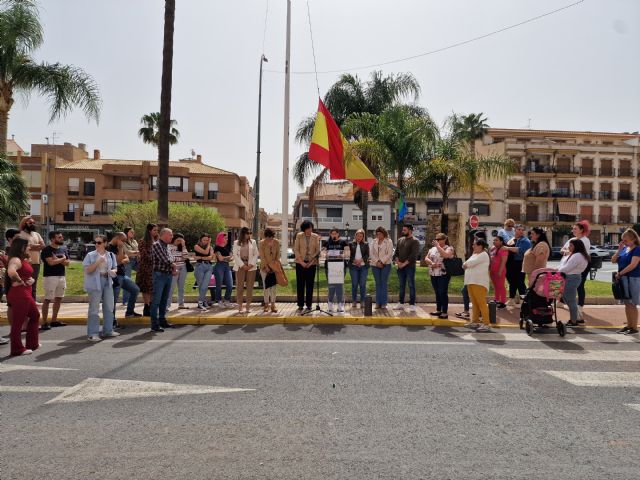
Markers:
(76, 193)
(566, 176)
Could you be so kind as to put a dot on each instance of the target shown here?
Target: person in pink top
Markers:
(498, 271)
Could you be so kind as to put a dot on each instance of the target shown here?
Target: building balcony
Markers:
(629, 196)
(565, 193)
(118, 194)
(605, 219)
(516, 193)
(537, 194)
(538, 218)
(586, 195)
(589, 218)
(625, 172)
(566, 170)
(607, 172)
(538, 170)
(587, 171)
(605, 196)
(623, 219)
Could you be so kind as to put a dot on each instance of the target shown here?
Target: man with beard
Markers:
(55, 259)
(406, 256)
(36, 245)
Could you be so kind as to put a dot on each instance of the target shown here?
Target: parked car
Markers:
(80, 250)
(600, 252)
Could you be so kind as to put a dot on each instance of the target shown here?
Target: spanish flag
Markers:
(330, 149)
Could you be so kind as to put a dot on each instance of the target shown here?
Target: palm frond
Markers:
(304, 169)
(305, 130)
(315, 188)
(14, 194)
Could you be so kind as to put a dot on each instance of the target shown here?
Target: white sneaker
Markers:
(412, 308)
(329, 307)
(341, 307)
(221, 305)
(580, 313)
(471, 325)
(511, 303)
(94, 338)
(483, 328)
(112, 334)
(399, 306)
(201, 306)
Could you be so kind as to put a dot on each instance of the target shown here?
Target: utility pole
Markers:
(285, 145)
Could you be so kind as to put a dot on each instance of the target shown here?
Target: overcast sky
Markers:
(577, 69)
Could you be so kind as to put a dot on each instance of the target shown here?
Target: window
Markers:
(376, 218)
(89, 187)
(88, 209)
(109, 206)
(74, 187)
(411, 208)
(33, 178)
(334, 212)
(482, 209)
(176, 184)
(72, 207)
(212, 193)
(130, 185)
(357, 217)
(198, 190)
(35, 207)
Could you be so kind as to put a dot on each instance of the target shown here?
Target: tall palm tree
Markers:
(469, 128)
(14, 196)
(150, 131)
(164, 123)
(349, 96)
(65, 86)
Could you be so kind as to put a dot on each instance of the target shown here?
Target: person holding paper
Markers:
(336, 252)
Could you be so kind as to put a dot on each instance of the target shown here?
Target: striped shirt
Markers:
(177, 256)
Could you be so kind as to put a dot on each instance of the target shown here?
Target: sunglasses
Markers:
(99, 242)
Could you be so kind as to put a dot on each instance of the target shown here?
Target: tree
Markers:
(190, 220)
(65, 86)
(14, 195)
(164, 124)
(469, 128)
(149, 132)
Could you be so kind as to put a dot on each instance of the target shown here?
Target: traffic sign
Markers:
(474, 221)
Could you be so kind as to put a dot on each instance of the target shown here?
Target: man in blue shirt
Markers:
(515, 276)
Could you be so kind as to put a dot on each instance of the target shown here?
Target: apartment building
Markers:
(274, 222)
(76, 194)
(565, 176)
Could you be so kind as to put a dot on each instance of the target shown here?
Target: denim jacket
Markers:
(92, 280)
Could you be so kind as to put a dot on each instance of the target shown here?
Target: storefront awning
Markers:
(568, 208)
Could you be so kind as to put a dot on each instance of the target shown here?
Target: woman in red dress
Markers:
(23, 306)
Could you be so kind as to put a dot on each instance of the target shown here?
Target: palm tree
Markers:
(469, 128)
(349, 96)
(14, 196)
(65, 86)
(164, 122)
(150, 133)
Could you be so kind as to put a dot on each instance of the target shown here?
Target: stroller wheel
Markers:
(521, 324)
(529, 327)
(562, 331)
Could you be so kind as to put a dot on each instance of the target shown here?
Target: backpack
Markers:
(549, 285)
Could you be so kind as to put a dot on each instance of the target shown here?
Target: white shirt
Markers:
(574, 265)
(358, 254)
(477, 270)
(587, 246)
(380, 251)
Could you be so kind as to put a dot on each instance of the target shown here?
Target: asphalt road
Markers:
(323, 403)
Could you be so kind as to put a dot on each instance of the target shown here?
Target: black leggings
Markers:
(515, 277)
(581, 292)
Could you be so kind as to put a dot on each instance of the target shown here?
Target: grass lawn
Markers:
(594, 288)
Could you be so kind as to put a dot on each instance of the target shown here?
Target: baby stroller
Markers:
(546, 286)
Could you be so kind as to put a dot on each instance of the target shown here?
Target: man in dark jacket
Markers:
(406, 256)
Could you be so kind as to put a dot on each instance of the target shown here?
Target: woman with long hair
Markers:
(18, 281)
(269, 249)
(179, 254)
(222, 270)
(476, 278)
(245, 260)
(580, 232)
(380, 259)
(628, 259)
(438, 274)
(144, 277)
(358, 268)
(204, 267)
(572, 267)
(536, 257)
(498, 271)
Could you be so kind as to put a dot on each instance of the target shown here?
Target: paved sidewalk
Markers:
(597, 316)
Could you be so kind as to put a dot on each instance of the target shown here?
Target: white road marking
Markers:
(31, 389)
(106, 389)
(635, 406)
(278, 341)
(497, 336)
(599, 379)
(569, 355)
(5, 367)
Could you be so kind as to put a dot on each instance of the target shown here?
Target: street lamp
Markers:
(346, 232)
(256, 189)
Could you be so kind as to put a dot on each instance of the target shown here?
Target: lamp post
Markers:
(256, 189)
(346, 232)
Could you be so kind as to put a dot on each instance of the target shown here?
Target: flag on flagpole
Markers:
(330, 149)
(401, 206)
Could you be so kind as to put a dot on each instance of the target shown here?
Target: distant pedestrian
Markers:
(222, 271)
(538, 255)
(499, 255)
(36, 245)
(19, 279)
(123, 281)
(131, 250)
(100, 268)
(144, 275)
(337, 250)
(476, 278)
(163, 272)
(628, 259)
(439, 251)
(54, 282)
(508, 231)
(572, 267)
(179, 254)
(269, 249)
(358, 268)
(380, 259)
(580, 232)
(245, 261)
(406, 256)
(204, 254)
(517, 247)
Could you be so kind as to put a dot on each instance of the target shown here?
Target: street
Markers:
(323, 402)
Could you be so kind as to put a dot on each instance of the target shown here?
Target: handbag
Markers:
(281, 278)
(618, 289)
(189, 266)
(453, 266)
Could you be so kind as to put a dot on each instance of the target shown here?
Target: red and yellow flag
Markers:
(330, 149)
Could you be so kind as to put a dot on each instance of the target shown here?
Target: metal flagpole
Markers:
(256, 186)
(284, 244)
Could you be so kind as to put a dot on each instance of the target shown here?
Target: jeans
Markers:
(128, 270)
(465, 298)
(178, 281)
(381, 277)
(129, 287)
(161, 289)
(304, 285)
(571, 284)
(515, 277)
(404, 274)
(222, 273)
(358, 281)
(336, 293)
(104, 295)
(440, 286)
(203, 273)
